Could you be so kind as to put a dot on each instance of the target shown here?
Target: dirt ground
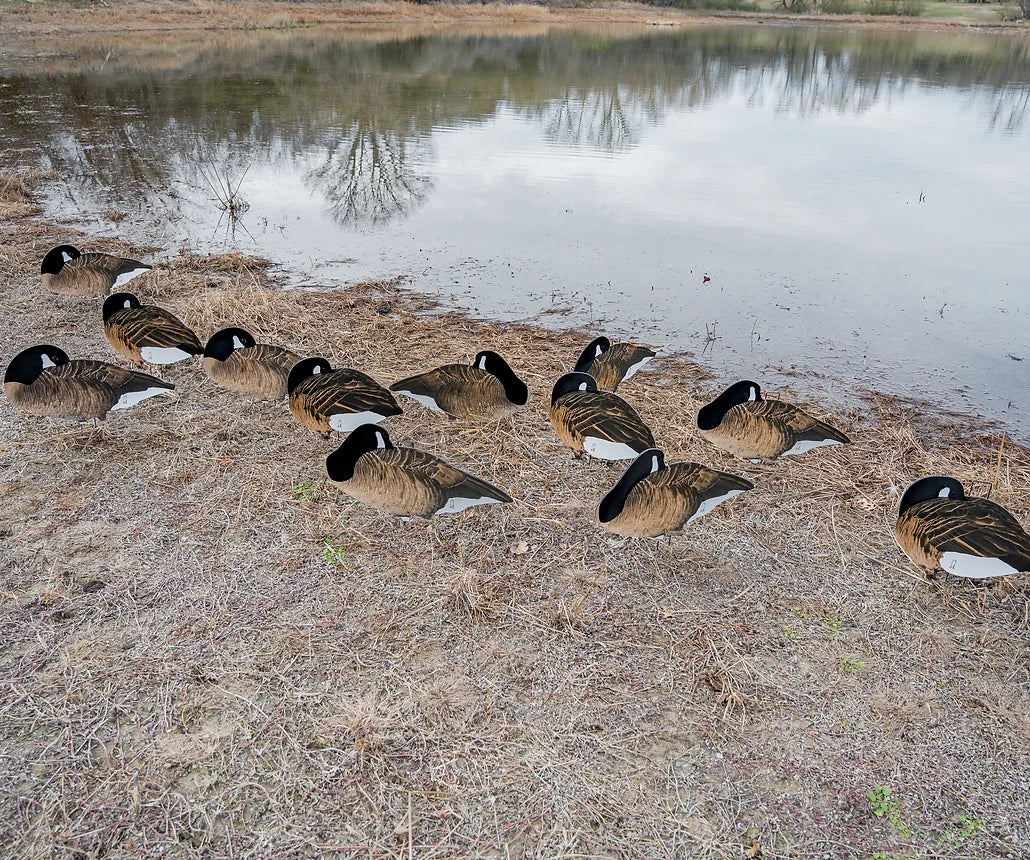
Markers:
(43, 18)
(209, 651)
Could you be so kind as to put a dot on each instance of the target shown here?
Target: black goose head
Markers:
(307, 367)
(598, 346)
(514, 388)
(650, 461)
(55, 259)
(574, 381)
(709, 417)
(117, 302)
(339, 465)
(28, 364)
(222, 343)
(935, 487)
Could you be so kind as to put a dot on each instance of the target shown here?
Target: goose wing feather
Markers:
(977, 527)
(605, 416)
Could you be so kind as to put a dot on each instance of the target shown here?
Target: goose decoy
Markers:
(42, 380)
(66, 270)
(405, 482)
(940, 528)
(610, 363)
(740, 422)
(598, 423)
(234, 360)
(486, 390)
(323, 399)
(146, 332)
(654, 498)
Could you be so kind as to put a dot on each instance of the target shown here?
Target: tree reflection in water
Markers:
(367, 176)
(359, 112)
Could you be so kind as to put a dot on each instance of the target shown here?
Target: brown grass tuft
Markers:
(16, 193)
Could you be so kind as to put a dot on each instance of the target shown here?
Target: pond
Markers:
(837, 208)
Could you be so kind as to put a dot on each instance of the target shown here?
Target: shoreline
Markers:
(142, 16)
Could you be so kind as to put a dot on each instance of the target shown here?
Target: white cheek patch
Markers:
(808, 444)
(709, 505)
(47, 361)
(66, 257)
(974, 566)
(344, 422)
(131, 398)
(633, 368)
(456, 505)
(605, 449)
(163, 354)
(125, 277)
(945, 493)
(752, 395)
(424, 399)
(654, 465)
(238, 344)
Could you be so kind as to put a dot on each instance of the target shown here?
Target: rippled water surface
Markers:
(858, 200)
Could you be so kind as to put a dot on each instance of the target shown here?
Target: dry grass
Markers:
(16, 199)
(36, 23)
(207, 651)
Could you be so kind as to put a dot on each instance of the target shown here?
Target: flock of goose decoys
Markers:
(938, 526)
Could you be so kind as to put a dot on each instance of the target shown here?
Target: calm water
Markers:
(859, 201)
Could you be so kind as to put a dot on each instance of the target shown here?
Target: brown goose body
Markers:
(597, 423)
(654, 498)
(759, 429)
(66, 271)
(338, 400)
(612, 363)
(82, 389)
(404, 482)
(486, 390)
(146, 332)
(260, 370)
(969, 537)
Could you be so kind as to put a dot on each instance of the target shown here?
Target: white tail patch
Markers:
(709, 505)
(808, 444)
(456, 505)
(131, 398)
(125, 277)
(631, 371)
(344, 422)
(424, 399)
(605, 449)
(974, 566)
(163, 354)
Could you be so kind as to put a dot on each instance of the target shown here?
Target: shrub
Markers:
(836, 7)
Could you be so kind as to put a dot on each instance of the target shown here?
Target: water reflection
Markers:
(361, 111)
